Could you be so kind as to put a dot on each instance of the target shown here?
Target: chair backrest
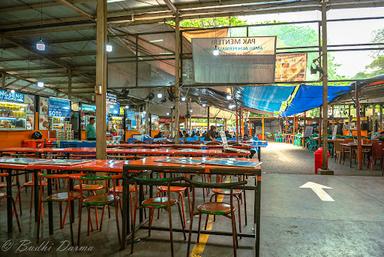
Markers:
(337, 145)
(377, 149)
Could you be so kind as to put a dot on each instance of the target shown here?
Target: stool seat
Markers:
(215, 208)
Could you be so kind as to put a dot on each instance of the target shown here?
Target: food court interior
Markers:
(192, 128)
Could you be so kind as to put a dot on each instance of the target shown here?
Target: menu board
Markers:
(59, 107)
(113, 106)
(43, 114)
(130, 120)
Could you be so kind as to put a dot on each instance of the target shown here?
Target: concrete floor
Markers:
(294, 222)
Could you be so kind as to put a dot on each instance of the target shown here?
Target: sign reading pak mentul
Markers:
(234, 60)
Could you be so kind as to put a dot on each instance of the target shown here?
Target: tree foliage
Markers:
(376, 67)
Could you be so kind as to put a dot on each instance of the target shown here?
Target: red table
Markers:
(124, 152)
(178, 146)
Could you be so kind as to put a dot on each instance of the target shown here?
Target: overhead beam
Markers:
(77, 9)
(171, 6)
(196, 10)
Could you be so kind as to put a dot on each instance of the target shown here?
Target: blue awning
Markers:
(265, 98)
(308, 97)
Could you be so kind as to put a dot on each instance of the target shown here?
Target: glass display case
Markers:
(16, 111)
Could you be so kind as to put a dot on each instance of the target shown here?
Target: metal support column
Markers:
(177, 76)
(381, 118)
(101, 79)
(358, 127)
(324, 52)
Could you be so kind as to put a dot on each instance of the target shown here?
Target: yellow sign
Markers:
(291, 67)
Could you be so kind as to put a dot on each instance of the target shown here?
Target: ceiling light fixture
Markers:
(12, 91)
(159, 95)
(40, 45)
(215, 51)
(183, 98)
(228, 97)
(156, 41)
(114, 1)
(231, 106)
(40, 83)
(109, 48)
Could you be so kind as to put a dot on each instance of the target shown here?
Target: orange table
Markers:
(123, 152)
(178, 146)
(151, 163)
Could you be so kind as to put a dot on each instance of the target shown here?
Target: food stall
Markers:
(86, 112)
(59, 114)
(17, 111)
(115, 119)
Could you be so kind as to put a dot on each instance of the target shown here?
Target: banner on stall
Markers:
(234, 60)
(59, 107)
(291, 67)
(10, 96)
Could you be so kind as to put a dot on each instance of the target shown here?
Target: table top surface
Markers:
(116, 166)
(191, 146)
(143, 151)
(352, 144)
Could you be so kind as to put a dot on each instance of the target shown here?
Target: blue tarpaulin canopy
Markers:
(265, 98)
(288, 100)
(309, 97)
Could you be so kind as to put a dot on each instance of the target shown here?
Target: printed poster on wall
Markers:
(43, 114)
(234, 60)
(30, 101)
(291, 67)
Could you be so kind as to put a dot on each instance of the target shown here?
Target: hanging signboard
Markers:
(9, 96)
(113, 106)
(59, 107)
(234, 60)
(308, 131)
(291, 67)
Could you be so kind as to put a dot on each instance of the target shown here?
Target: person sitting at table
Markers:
(90, 130)
(211, 134)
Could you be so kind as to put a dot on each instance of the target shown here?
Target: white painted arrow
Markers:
(318, 189)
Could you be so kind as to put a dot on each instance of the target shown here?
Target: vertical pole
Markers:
(147, 120)
(358, 127)
(208, 114)
(237, 123)
(3, 76)
(187, 127)
(324, 59)
(381, 118)
(101, 79)
(69, 84)
(177, 76)
(262, 128)
(137, 61)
